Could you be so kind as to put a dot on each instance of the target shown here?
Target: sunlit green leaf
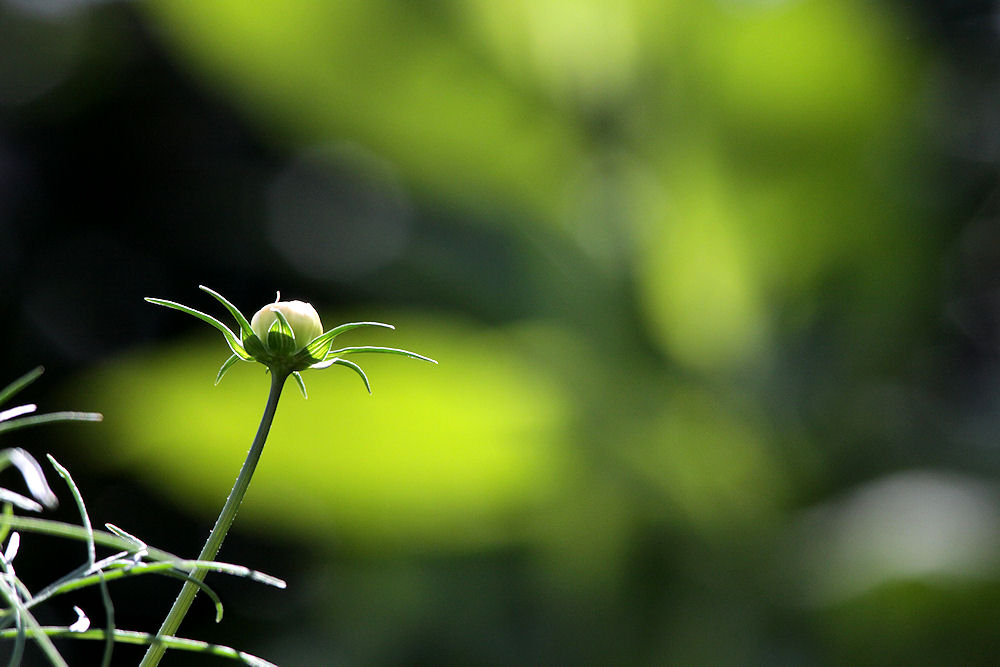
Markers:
(225, 367)
(240, 318)
(231, 339)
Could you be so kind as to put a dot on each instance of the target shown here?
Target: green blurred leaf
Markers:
(711, 465)
(438, 457)
(17, 385)
(389, 74)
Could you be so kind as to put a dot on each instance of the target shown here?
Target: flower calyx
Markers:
(284, 329)
(287, 337)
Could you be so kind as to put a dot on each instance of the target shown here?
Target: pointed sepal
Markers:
(357, 369)
(234, 311)
(301, 383)
(320, 346)
(229, 363)
(365, 349)
(231, 339)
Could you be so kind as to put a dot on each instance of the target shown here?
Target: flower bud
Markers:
(301, 316)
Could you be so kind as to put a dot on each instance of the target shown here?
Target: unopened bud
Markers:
(301, 316)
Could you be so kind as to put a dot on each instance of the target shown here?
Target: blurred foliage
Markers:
(712, 285)
(728, 158)
(430, 459)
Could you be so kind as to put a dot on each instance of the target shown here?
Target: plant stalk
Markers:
(222, 525)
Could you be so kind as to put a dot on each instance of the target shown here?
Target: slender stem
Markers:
(180, 607)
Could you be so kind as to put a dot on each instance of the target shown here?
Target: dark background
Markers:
(718, 282)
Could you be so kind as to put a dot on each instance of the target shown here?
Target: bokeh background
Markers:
(714, 287)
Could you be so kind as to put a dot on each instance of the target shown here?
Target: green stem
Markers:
(180, 607)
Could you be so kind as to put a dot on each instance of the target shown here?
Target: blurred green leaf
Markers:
(438, 457)
(710, 463)
(389, 74)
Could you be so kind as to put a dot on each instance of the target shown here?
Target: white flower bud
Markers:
(302, 317)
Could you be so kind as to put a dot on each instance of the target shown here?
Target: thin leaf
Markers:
(120, 559)
(316, 346)
(33, 475)
(144, 639)
(75, 581)
(139, 544)
(302, 384)
(14, 588)
(50, 417)
(15, 498)
(72, 531)
(109, 628)
(26, 624)
(357, 369)
(240, 319)
(123, 569)
(342, 328)
(233, 570)
(84, 516)
(11, 590)
(17, 412)
(229, 363)
(202, 587)
(363, 349)
(128, 543)
(17, 385)
(13, 544)
(34, 630)
(91, 551)
(231, 339)
(8, 512)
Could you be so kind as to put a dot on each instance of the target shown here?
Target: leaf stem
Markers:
(180, 607)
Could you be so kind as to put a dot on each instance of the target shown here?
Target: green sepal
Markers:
(282, 322)
(286, 344)
(229, 363)
(357, 369)
(302, 385)
(279, 343)
(231, 339)
(360, 349)
(240, 319)
(319, 347)
(255, 347)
